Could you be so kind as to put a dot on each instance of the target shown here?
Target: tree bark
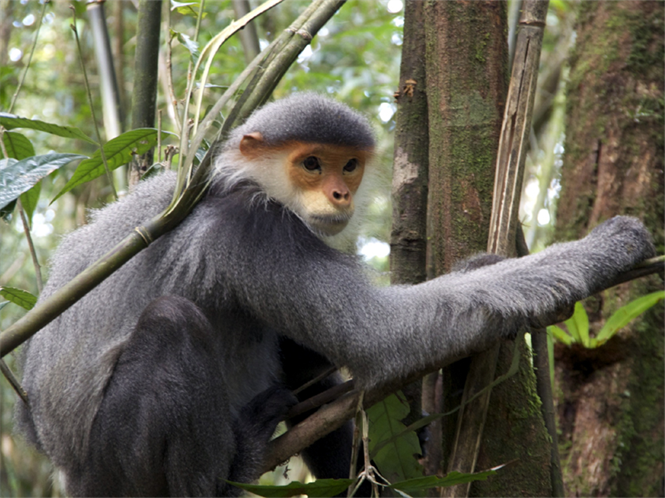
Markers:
(466, 88)
(465, 106)
(610, 404)
(408, 238)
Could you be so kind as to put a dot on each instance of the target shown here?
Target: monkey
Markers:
(169, 377)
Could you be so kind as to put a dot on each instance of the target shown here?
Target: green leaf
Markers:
(29, 201)
(118, 151)
(189, 44)
(3, 304)
(17, 177)
(578, 325)
(17, 296)
(560, 335)
(18, 146)
(394, 454)
(10, 121)
(187, 8)
(451, 479)
(320, 487)
(624, 315)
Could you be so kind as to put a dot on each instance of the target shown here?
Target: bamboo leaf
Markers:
(624, 315)
(118, 151)
(17, 145)
(10, 121)
(17, 177)
(451, 479)
(17, 296)
(217, 41)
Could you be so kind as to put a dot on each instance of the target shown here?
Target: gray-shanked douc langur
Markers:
(170, 376)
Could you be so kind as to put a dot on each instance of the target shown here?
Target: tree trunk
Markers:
(467, 58)
(610, 400)
(466, 88)
(408, 237)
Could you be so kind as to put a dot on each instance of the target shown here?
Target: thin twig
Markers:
(9, 375)
(316, 379)
(92, 107)
(353, 470)
(32, 51)
(31, 246)
(159, 136)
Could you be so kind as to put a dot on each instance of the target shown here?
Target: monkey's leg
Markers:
(163, 427)
(254, 427)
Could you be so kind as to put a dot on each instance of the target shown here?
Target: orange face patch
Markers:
(337, 166)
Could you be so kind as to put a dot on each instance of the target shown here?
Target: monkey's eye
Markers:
(351, 166)
(311, 164)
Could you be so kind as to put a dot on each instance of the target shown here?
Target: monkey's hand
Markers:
(617, 246)
(610, 249)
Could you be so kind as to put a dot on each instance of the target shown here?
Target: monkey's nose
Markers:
(341, 196)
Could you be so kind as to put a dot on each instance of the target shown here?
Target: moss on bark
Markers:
(612, 415)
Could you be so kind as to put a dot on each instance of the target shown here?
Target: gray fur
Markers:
(307, 117)
(257, 273)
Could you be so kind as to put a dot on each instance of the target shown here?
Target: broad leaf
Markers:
(17, 177)
(18, 146)
(17, 296)
(578, 325)
(10, 121)
(396, 457)
(118, 151)
(321, 487)
(624, 315)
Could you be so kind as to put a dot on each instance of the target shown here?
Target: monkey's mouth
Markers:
(330, 224)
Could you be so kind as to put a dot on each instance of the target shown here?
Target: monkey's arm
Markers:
(319, 298)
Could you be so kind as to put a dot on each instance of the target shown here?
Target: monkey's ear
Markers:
(251, 143)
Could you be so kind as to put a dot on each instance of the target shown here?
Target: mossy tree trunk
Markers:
(610, 399)
(466, 86)
(409, 187)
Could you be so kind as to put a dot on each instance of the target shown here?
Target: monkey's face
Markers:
(316, 181)
(325, 178)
